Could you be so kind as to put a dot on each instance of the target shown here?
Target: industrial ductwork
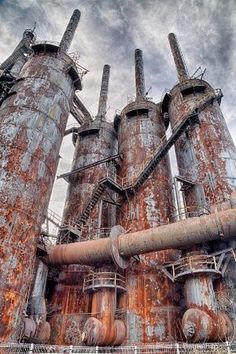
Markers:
(183, 234)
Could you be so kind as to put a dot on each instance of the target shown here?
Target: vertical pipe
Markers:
(37, 299)
(102, 106)
(70, 31)
(139, 74)
(179, 213)
(178, 58)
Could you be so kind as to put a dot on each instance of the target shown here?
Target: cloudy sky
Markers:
(108, 33)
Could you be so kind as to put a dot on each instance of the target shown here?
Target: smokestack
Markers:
(18, 55)
(70, 31)
(102, 106)
(178, 58)
(139, 74)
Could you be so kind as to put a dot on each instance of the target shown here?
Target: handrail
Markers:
(103, 279)
(129, 182)
(215, 263)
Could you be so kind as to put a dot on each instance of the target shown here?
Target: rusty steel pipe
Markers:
(78, 104)
(178, 58)
(102, 106)
(221, 225)
(139, 74)
(202, 321)
(36, 327)
(201, 325)
(102, 328)
(69, 32)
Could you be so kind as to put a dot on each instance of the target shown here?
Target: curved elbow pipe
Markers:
(202, 326)
(38, 333)
(98, 333)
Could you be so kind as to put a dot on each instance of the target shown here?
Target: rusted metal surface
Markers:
(178, 58)
(95, 141)
(33, 122)
(68, 307)
(37, 297)
(70, 31)
(139, 74)
(151, 206)
(102, 105)
(203, 321)
(206, 157)
(36, 328)
(204, 325)
(91, 146)
(102, 328)
(182, 234)
(206, 154)
(140, 131)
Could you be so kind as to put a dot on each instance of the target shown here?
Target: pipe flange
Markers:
(120, 261)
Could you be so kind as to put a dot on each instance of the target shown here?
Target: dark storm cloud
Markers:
(110, 30)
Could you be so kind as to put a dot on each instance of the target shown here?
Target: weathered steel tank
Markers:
(95, 141)
(33, 119)
(206, 154)
(116, 275)
(140, 131)
(206, 158)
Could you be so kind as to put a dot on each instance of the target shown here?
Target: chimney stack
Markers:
(69, 32)
(178, 58)
(102, 106)
(139, 74)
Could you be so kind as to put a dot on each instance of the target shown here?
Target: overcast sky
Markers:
(108, 33)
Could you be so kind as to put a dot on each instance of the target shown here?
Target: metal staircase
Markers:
(120, 185)
(54, 218)
(64, 229)
(67, 175)
(97, 192)
(162, 149)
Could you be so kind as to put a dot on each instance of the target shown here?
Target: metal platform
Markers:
(214, 264)
(101, 280)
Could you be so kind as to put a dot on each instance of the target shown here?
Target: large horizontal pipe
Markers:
(182, 234)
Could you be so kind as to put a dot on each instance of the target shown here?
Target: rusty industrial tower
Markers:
(144, 259)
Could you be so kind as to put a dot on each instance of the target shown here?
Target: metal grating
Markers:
(175, 348)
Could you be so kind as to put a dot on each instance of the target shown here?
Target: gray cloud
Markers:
(110, 30)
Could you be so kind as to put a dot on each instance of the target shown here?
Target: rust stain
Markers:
(206, 153)
(31, 132)
(138, 135)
